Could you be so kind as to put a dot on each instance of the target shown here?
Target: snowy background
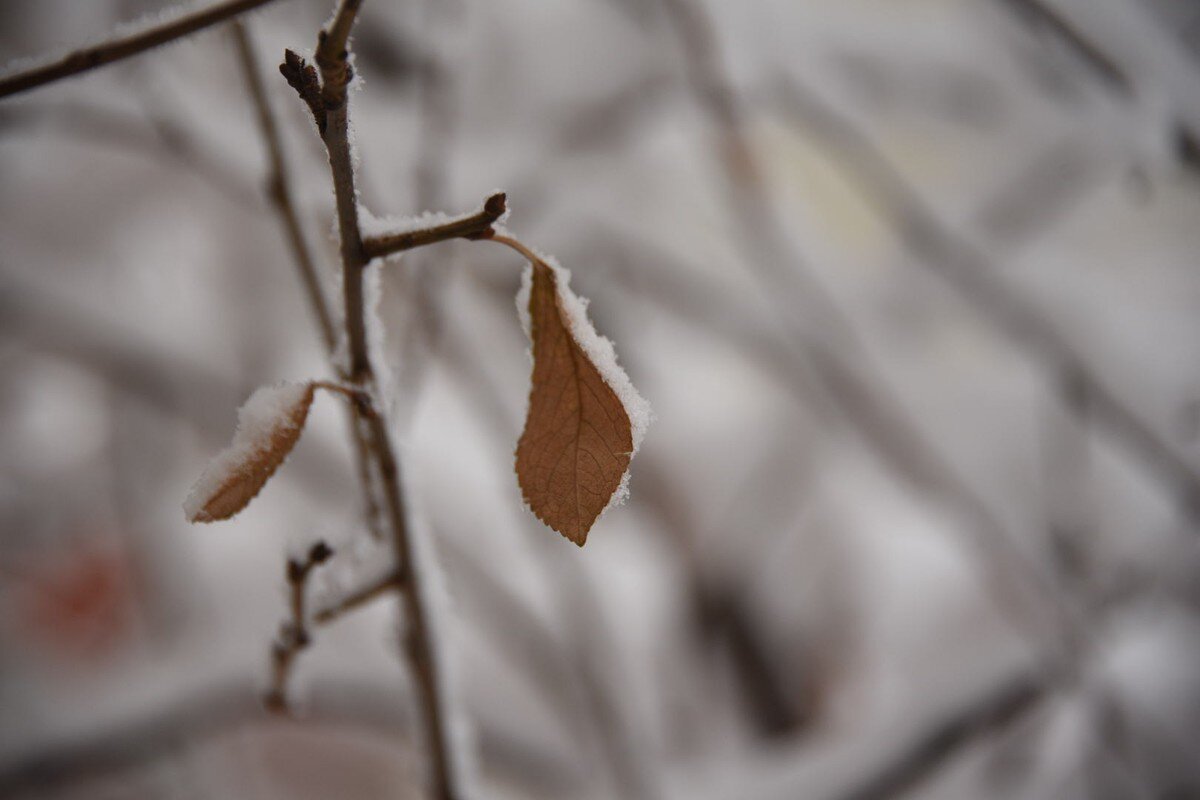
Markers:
(911, 285)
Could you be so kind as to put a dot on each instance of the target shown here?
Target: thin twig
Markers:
(475, 226)
(279, 185)
(293, 633)
(357, 598)
(332, 59)
(280, 189)
(89, 58)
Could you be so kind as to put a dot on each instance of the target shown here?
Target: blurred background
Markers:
(911, 286)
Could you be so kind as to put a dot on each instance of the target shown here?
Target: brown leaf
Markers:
(269, 425)
(578, 438)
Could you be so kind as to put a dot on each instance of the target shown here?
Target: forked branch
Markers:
(335, 73)
(293, 634)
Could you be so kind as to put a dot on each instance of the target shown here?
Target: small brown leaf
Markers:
(578, 437)
(269, 425)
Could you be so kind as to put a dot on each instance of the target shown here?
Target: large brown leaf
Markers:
(269, 425)
(578, 438)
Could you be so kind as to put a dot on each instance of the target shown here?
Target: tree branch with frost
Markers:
(293, 634)
(271, 422)
(478, 225)
(335, 73)
(122, 47)
(279, 183)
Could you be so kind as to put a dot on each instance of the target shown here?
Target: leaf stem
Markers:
(516, 245)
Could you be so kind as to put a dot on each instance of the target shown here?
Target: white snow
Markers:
(268, 411)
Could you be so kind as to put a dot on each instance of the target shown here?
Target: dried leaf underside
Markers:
(578, 439)
(269, 425)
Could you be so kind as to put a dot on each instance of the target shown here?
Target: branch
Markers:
(197, 715)
(333, 61)
(90, 58)
(293, 633)
(1040, 15)
(822, 338)
(279, 185)
(357, 598)
(973, 275)
(994, 712)
(280, 190)
(474, 226)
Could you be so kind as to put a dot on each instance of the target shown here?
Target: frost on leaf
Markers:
(269, 425)
(585, 419)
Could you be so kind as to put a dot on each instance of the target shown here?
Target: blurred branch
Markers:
(814, 374)
(1134, 54)
(590, 643)
(721, 612)
(992, 713)
(969, 270)
(293, 634)
(197, 716)
(1042, 16)
(279, 185)
(356, 598)
(122, 47)
(830, 344)
(95, 124)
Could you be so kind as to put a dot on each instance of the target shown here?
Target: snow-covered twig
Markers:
(333, 61)
(470, 226)
(122, 47)
(293, 634)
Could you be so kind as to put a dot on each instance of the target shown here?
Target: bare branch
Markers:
(293, 633)
(279, 185)
(90, 58)
(357, 598)
(280, 188)
(1042, 16)
(992, 713)
(333, 61)
(475, 226)
(201, 714)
